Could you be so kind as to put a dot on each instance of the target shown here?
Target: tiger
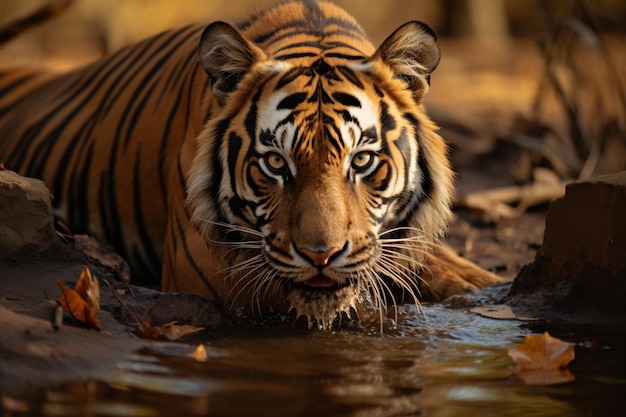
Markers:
(281, 164)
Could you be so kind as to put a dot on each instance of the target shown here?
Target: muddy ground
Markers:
(33, 351)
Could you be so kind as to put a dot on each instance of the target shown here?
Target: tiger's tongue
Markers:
(320, 281)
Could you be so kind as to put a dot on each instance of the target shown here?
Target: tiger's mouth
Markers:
(321, 282)
(322, 300)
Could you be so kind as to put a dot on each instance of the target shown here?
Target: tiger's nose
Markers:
(318, 258)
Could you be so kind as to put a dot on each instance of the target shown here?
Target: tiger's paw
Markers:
(446, 274)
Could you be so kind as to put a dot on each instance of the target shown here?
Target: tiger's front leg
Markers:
(445, 274)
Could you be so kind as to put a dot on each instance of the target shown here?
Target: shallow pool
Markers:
(448, 363)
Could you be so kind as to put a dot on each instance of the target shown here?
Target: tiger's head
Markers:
(318, 171)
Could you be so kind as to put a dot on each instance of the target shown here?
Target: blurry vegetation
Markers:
(94, 27)
(523, 84)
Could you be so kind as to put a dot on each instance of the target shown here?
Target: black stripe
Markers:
(234, 147)
(292, 101)
(295, 56)
(153, 261)
(178, 231)
(344, 56)
(15, 83)
(339, 44)
(427, 179)
(311, 44)
(108, 204)
(384, 183)
(347, 99)
(332, 139)
(292, 75)
(77, 206)
(350, 76)
(213, 188)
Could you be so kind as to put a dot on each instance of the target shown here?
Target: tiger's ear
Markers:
(412, 53)
(226, 56)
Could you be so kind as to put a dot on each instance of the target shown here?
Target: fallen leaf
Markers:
(147, 332)
(541, 360)
(88, 289)
(83, 302)
(542, 352)
(199, 354)
(169, 331)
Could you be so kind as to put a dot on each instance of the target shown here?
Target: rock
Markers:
(26, 217)
(581, 265)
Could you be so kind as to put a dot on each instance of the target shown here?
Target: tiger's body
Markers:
(284, 164)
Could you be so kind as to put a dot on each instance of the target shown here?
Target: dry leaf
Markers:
(542, 359)
(199, 354)
(83, 302)
(169, 331)
(88, 289)
(542, 352)
(146, 329)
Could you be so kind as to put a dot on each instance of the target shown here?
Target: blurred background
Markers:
(527, 90)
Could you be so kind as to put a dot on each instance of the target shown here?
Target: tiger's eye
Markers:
(275, 162)
(362, 160)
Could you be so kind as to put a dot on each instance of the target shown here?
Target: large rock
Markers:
(26, 217)
(581, 265)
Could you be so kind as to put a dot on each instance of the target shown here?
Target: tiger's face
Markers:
(322, 178)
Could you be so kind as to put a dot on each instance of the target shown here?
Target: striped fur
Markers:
(285, 163)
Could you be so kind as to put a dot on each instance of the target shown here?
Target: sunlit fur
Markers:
(227, 159)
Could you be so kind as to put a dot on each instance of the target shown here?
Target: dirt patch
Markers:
(581, 267)
(33, 352)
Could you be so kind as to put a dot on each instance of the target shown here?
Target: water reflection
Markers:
(456, 365)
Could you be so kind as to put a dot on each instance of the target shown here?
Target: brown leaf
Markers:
(146, 329)
(199, 354)
(173, 331)
(88, 289)
(542, 352)
(542, 359)
(169, 331)
(83, 302)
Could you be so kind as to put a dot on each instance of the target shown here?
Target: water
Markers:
(458, 366)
